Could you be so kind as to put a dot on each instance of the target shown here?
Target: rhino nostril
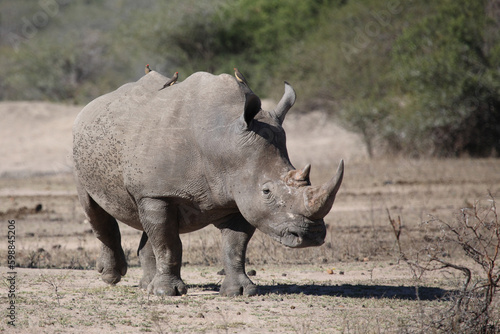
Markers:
(294, 234)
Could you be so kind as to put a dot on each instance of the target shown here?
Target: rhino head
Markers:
(270, 193)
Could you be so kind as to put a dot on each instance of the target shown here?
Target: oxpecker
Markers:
(240, 77)
(171, 81)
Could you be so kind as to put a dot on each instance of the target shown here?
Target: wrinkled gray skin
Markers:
(173, 161)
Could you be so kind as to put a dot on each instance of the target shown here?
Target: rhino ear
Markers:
(285, 103)
(252, 107)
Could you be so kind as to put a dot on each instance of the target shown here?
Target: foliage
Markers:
(55, 54)
(262, 28)
(416, 78)
(450, 82)
(216, 36)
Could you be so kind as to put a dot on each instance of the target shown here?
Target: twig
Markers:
(396, 228)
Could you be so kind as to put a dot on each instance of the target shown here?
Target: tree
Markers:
(450, 81)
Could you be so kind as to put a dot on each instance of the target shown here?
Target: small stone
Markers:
(221, 272)
(292, 307)
(341, 272)
(284, 275)
(238, 313)
(251, 273)
(329, 272)
(200, 315)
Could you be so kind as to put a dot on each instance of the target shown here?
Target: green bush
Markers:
(419, 79)
(216, 36)
(66, 56)
(450, 83)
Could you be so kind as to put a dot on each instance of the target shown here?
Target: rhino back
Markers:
(141, 142)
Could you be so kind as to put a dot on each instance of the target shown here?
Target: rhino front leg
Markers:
(148, 261)
(159, 220)
(236, 234)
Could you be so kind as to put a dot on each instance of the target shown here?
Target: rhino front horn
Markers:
(319, 200)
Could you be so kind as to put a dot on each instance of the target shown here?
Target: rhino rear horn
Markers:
(304, 173)
(298, 178)
(285, 103)
(252, 108)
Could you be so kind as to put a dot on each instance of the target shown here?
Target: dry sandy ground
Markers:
(306, 300)
(354, 283)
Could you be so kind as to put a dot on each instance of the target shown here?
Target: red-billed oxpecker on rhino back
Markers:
(174, 161)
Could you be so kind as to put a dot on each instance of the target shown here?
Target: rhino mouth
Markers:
(308, 234)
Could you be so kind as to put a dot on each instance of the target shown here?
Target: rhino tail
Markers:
(142, 243)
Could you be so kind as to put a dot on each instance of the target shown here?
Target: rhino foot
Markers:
(148, 264)
(166, 285)
(111, 268)
(145, 281)
(237, 286)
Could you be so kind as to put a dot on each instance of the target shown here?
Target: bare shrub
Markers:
(56, 282)
(473, 307)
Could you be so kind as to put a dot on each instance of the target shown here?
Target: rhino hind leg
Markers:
(111, 262)
(148, 262)
(236, 234)
(159, 220)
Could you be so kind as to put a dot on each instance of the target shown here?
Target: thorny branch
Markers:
(477, 232)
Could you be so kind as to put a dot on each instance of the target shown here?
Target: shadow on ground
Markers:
(358, 291)
(349, 290)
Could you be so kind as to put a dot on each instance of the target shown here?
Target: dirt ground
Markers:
(354, 283)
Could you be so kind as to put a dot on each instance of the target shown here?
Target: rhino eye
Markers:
(265, 190)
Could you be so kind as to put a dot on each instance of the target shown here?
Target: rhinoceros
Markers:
(173, 161)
